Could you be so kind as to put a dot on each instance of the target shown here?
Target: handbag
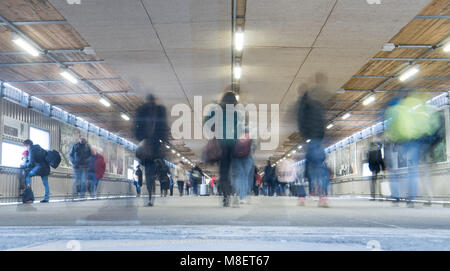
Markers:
(243, 146)
(212, 152)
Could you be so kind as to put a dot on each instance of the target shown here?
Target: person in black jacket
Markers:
(376, 164)
(269, 179)
(79, 155)
(151, 125)
(196, 178)
(311, 125)
(37, 165)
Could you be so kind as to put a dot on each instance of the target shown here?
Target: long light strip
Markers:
(237, 71)
(69, 77)
(239, 40)
(125, 116)
(369, 99)
(25, 45)
(104, 102)
(408, 73)
(346, 116)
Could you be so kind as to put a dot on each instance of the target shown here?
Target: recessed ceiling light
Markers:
(346, 116)
(69, 77)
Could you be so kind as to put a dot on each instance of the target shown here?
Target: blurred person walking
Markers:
(376, 164)
(138, 176)
(311, 124)
(180, 176)
(78, 156)
(151, 129)
(410, 121)
(226, 144)
(96, 170)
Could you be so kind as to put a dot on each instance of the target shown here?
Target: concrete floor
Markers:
(199, 223)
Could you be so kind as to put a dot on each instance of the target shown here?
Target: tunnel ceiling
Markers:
(178, 49)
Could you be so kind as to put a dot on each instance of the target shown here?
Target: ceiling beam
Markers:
(57, 51)
(60, 81)
(51, 63)
(82, 93)
(409, 59)
(35, 22)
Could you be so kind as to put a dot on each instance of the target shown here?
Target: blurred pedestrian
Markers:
(196, 178)
(180, 176)
(151, 129)
(96, 170)
(376, 164)
(138, 180)
(78, 156)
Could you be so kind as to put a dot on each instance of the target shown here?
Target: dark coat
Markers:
(150, 124)
(376, 162)
(79, 155)
(199, 172)
(37, 162)
(310, 118)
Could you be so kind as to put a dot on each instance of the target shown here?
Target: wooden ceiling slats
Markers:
(362, 83)
(52, 37)
(94, 70)
(437, 7)
(29, 10)
(402, 53)
(423, 31)
(382, 68)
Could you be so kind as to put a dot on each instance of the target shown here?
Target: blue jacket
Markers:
(37, 162)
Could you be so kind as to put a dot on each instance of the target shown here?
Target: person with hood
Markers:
(78, 156)
(376, 164)
(96, 170)
(37, 165)
(151, 129)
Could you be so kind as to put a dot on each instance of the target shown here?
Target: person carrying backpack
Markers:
(37, 165)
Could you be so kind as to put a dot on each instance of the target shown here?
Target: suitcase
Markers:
(28, 196)
(204, 190)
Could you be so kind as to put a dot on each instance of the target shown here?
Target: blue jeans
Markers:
(241, 169)
(93, 183)
(80, 175)
(412, 149)
(44, 182)
(138, 187)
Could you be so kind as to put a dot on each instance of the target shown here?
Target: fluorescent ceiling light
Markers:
(369, 100)
(167, 146)
(299, 147)
(239, 40)
(69, 77)
(447, 47)
(289, 155)
(237, 71)
(346, 116)
(178, 154)
(125, 116)
(104, 102)
(237, 97)
(330, 126)
(308, 140)
(25, 45)
(173, 151)
(410, 72)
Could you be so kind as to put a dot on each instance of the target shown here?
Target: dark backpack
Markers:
(28, 196)
(53, 158)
